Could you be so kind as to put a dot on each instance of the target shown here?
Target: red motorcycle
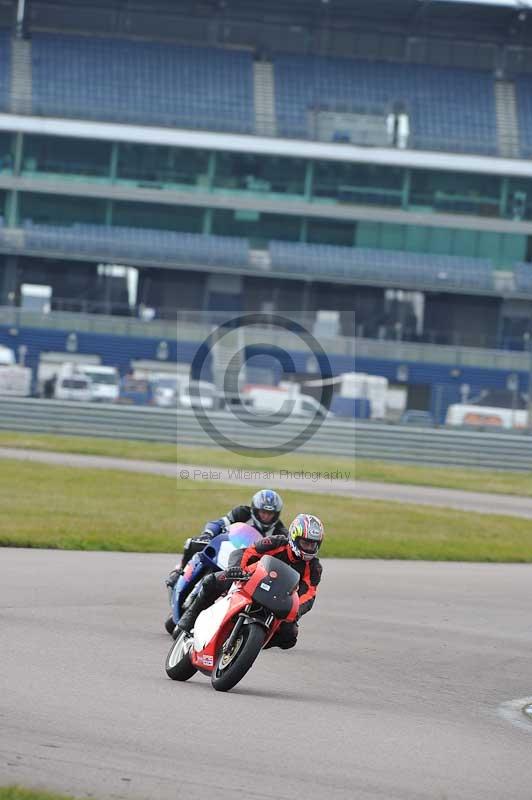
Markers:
(229, 635)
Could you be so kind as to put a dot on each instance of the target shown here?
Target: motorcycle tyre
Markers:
(254, 638)
(183, 669)
(169, 625)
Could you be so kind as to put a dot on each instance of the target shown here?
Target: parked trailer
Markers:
(473, 416)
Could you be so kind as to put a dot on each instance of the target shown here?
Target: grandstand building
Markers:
(364, 158)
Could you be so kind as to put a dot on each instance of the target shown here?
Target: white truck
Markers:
(473, 416)
(15, 381)
(383, 402)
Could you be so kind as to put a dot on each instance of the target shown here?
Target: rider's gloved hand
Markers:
(237, 574)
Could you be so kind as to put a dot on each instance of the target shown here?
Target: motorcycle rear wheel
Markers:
(231, 667)
(178, 665)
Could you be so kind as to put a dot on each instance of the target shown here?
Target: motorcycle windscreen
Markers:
(238, 537)
(274, 591)
(242, 535)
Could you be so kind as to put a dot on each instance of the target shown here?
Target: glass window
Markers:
(330, 231)
(144, 163)
(455, 192)
(185, 219)
(6, 158)
(417, 239)
(53, 209)
(256, 226)
(519, 199)
(259, 173)
(63, 155)
(393, 237)
(358, 183)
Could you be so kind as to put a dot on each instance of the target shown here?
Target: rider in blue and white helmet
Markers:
(266, 507)
(264, 514)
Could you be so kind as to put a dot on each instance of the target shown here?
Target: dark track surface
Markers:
(392, 693)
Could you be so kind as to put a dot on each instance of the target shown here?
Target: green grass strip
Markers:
(499, 482)
(91, 509)
(18, 793)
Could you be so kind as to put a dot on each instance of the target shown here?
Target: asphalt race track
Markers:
(479, 502)
(396, 690)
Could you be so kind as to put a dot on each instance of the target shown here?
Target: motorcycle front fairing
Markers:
(273, 585)
(212, 628)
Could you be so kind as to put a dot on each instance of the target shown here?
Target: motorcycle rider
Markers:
(299, 549)
(263, 514)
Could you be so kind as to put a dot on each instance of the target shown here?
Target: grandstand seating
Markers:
(523, 278)
(523, 89)
(142, 82)
(289, 258)
(385, 265)
(5, 70)
(449, 109)
(200, 87)
(159, 245)
(323, 261)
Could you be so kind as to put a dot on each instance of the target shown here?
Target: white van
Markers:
(165, 389)
(197, 394)
(104, 381)
(73, 387)
(52, 365)
(272, 400)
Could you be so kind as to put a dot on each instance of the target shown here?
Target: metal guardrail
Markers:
(450, 447)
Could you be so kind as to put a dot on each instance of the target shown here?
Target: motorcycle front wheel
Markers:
(169, 625)
(178, 665)
(231, 666)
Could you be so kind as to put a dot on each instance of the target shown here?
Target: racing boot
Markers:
(188, 619)
(173, 578)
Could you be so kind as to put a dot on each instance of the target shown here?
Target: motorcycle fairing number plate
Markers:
(226, 548)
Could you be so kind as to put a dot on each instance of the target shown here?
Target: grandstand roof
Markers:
(497, 20)
(519, 4)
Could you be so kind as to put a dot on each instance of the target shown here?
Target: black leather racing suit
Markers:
(241, 514)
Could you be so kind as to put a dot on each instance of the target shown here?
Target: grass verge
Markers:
(18, 793)
(514, 483)
(87, 509)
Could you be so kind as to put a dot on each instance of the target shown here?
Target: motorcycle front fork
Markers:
(242, 618)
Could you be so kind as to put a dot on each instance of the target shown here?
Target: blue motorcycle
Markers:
(218, 554)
